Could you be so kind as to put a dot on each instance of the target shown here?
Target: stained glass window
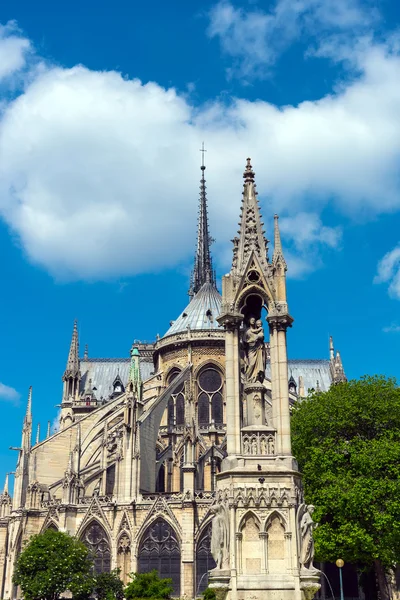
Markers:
(210, 395)
(204, 561)
(96, 540)
(159, 549)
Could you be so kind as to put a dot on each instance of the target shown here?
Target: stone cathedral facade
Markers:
(178, 457)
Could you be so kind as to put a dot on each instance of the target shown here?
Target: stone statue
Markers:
(255, 354)
(307, 526)
(263, 445)
(220, 537)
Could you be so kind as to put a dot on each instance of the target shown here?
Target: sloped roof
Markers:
(103, 371)
(311, 371)
(200, 313)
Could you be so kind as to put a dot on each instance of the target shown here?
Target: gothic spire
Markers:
(28, 414)
(203, 269)
(251, 233)
(73, 356)
(278, 257)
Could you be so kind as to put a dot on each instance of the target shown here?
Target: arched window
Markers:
(176, 404)
(209, 394)
(204, 561)
(216, 409)
(180, 409)
(171, 416)
(159, 549)
(95, 539)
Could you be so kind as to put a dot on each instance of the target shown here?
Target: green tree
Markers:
(108, 586)
(52, 563)
(148, 585)
(347, 443)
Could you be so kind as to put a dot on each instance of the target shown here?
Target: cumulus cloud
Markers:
(14, 49)
(254, 39)
(389, 271)
(307, 236)
(8, 393)
(98, 173)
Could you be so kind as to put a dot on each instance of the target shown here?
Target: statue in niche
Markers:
(255, 354)
(220, 536)
(263, 445)
(254, 446)
(271, 445)
(246, 445)
(306, 530)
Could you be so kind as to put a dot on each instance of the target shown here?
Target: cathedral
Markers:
(177, 457)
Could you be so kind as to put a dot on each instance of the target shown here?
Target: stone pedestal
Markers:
(309, 585)
(219, 581)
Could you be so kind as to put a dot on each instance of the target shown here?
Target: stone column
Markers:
(236, 368)
(286, 447)
(280, 390)
(231, 396)
(232, 511)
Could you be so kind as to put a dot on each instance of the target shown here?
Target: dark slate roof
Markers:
(102, 372)
(311, 371)
(200, 313)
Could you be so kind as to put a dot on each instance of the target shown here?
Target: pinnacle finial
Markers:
(248, 174)
(5, 490)
(203, 269)
(277, 235)
(38, 433)
(73, 355)
(86, 353)
(48, 429)
(28, 414)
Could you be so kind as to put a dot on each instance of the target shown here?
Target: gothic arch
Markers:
(174, 368)
(250, 549)
(271, 516)
(204, 559)
(152, 517)
(246, 516)
(159, 548)
(97, 540)
(50, 524)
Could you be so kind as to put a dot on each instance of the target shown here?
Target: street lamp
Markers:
(340, 565)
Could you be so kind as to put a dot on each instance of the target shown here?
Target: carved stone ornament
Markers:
(306, 527)
(255, 355)
(220, 536)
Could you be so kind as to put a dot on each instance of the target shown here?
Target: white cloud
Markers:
(13, 50)
(8, 393)
(98, 173)
(389, 271)
(255, 39)
(307, 235)
(392, 328)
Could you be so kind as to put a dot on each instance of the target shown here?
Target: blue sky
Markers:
(103, 109)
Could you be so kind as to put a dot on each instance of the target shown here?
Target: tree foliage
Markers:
(148, 585)
(347, 442)
(108, 586)
(52, 563)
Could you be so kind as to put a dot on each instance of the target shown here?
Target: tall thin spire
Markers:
(5, 490)
(72, 369)
(38, 434)
(28, 414)
(48, 429)
(203, 269)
